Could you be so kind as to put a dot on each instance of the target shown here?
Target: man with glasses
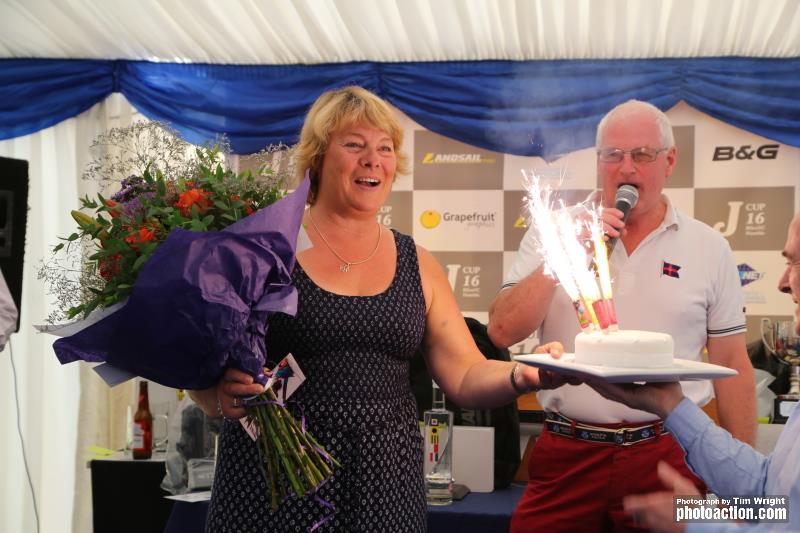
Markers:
(671, 274)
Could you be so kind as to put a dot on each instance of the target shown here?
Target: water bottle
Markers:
(438, 451)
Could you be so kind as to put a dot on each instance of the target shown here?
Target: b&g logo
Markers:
(727, 153)
(755, 224)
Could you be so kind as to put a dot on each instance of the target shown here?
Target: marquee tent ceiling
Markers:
(526, 77)
(331, 31)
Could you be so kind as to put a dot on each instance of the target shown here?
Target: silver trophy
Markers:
(781, 340)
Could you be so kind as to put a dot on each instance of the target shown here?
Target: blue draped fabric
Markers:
(542, 108)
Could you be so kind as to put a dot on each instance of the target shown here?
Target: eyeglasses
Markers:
(643, 154)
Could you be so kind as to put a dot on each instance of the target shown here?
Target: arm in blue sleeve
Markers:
(728, 466)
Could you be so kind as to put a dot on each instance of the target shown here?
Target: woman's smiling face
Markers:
(358, 168)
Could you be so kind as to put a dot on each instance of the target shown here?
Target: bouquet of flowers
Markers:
(196, 257)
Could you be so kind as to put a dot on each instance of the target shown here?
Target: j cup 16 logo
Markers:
(469, 273)
(746, 152)
(384, 215)
(755, 220)
(465, 280)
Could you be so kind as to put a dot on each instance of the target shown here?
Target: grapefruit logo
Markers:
(430, 219)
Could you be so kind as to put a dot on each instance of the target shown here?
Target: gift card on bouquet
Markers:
(284, 379)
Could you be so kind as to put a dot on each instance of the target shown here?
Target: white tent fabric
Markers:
(321, 31)
(61, 410)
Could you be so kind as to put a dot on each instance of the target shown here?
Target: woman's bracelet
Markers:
(514, 375)
(219, 408)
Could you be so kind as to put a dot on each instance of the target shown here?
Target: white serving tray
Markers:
(681, 369)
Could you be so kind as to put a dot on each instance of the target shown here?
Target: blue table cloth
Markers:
(476, 513)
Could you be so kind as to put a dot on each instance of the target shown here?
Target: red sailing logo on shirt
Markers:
(668, 269)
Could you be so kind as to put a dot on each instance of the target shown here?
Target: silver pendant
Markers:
(344, 267)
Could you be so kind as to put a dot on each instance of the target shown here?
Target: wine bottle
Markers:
(142, 446)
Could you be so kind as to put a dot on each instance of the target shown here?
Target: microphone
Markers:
(625, 200)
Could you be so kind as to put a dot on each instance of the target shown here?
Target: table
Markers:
(477, 513)
(126, 497)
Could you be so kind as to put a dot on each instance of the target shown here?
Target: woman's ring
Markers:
(235, 401)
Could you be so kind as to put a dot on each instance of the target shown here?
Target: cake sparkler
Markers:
(568, 258)
(557, 263)
(604, 308)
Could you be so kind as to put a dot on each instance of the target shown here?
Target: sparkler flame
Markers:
(566, 258)
(601, 256)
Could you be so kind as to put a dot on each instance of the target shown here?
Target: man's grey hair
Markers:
(632, 106)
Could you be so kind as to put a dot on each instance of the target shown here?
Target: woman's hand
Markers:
(538, 379)
(232, 388)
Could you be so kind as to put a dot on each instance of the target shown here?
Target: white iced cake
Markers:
(625, 348)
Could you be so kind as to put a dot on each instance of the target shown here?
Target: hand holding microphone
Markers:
(625, 200)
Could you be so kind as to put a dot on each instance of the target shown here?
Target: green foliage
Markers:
(119, 234)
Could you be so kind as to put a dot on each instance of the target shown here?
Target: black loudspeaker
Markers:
(13, 220)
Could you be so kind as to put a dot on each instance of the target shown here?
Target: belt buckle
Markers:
(619, 437)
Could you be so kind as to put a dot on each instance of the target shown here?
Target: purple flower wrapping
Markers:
(201, 303)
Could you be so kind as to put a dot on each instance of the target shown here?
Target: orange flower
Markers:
(191, 197)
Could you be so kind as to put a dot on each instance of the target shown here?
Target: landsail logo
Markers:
(430, 219)
(748, 274)
(433, 158)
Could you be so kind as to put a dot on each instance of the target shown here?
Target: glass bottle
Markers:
(438, 451)
(142, 446)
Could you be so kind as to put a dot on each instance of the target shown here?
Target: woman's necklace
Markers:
(345, 266)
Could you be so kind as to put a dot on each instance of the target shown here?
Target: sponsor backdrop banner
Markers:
(466, 204)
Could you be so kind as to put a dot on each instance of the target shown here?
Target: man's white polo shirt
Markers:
(680, 280)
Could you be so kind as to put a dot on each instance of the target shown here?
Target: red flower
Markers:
(110, 266)
(144, 234)
(191, 197)
(114, 209)
(248, 204)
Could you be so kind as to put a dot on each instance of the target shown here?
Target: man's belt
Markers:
(565, 427)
